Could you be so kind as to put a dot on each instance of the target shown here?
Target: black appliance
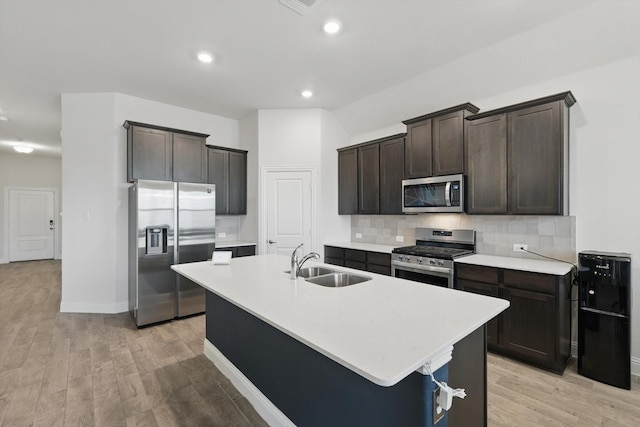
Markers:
(430, 260)
(604, 317)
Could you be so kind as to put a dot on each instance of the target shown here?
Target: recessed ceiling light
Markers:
(332, 26)
(205, 57)
(23, 149)
(307, 93)
(4, 119)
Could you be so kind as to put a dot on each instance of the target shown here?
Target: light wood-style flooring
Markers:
(60, 369)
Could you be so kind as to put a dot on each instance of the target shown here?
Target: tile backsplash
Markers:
(553, 236)
(229, 226)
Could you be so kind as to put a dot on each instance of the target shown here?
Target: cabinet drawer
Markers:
(355, 255)
(379, 259)
(355, 264)
(477, 272)
(530, 281)
(334, 261)
(380, 269)
(246, 251)
(333, 252)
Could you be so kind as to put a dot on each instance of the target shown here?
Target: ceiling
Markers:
(265, 53)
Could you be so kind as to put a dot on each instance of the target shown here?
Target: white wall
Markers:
(95, 265)
(32, 171)
(249, 228)
(332, 227)
(307, 138)
(583, 52)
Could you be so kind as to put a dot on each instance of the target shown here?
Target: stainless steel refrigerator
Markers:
(169, 223)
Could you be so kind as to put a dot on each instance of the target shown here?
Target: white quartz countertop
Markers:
(532, 265)
(233, 243)
(371, 247)
(383, 329)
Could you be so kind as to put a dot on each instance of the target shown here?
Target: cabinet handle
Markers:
(271, 242)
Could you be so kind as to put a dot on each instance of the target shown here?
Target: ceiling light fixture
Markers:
(307, 93)
(332, 26)
(23, 149)
(205, 57)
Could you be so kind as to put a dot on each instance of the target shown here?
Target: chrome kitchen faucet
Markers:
(297, 265)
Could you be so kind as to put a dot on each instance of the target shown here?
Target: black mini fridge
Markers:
(604, 317)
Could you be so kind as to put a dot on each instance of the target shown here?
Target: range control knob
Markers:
(440, 262)
(419, 260)
(432, 262)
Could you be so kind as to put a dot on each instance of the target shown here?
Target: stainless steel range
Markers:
(431, 259)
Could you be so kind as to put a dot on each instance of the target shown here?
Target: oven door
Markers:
(438, 276)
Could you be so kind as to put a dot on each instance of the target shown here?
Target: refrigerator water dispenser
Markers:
(156, 240)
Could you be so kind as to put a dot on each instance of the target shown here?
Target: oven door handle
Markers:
(422, 269)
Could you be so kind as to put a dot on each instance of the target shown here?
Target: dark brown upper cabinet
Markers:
(391, 175)
(164, 154)
(228, 171)
(435, 142)
(486, 147)
(348, 181)
(370, 177)
(189, 158)
(528, 144)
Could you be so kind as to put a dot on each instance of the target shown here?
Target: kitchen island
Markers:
(326, 355)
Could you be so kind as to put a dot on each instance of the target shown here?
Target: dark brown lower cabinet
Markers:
(375, 262)
(239, 251)
(536, 328)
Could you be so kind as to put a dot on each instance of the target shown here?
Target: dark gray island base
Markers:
(313, 390)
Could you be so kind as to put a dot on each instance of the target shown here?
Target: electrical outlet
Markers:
(399, 238)
(358, 235)
(437, 416)
(519, 247)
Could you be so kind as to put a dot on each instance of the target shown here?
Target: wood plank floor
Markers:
(60, 369)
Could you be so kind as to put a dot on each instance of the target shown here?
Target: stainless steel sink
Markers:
(307, 272)
(338, 280)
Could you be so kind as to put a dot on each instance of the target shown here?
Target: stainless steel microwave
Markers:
(434, 194)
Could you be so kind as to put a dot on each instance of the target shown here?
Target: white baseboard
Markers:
(94, 308)
(267, 410)
(2, 261)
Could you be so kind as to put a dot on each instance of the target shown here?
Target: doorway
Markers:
(31, 224)
(288, 216)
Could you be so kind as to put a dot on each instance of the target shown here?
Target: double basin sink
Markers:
(324, 276)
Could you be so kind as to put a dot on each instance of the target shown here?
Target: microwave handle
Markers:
(447, 193)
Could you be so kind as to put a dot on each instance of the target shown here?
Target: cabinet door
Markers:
(535, 152)
(483, 289)
(391, 175)
(189, 158)
(418, 150)
(348, 182)
(369, 179)
(448, 144)
(530, 325)
(219, 175)
(150, 154)
(486, 152)
(237, 183)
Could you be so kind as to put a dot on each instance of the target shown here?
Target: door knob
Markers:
(271, 242)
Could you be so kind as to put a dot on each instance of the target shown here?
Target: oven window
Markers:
(423, 278)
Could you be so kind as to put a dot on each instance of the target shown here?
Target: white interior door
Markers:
(289, 211)
(31, 225)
